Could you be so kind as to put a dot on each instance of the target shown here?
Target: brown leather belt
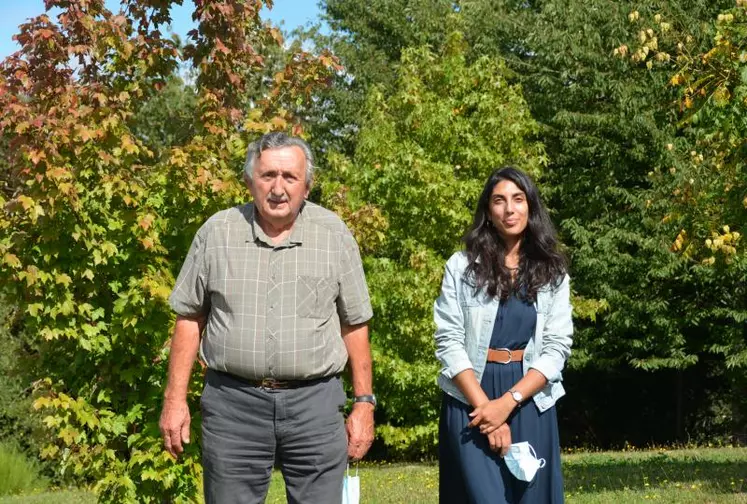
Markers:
(504, 355)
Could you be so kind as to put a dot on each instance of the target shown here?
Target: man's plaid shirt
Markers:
(273, 310)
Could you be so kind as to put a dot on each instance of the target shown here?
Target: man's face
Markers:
(278, 185)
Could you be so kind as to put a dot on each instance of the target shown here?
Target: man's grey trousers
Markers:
(246, 428)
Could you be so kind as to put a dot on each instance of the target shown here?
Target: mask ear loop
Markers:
(541, 461)
(347, 469)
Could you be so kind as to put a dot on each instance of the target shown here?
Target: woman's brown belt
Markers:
(504, 355)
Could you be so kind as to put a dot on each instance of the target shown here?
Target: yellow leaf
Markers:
(33, 309)
(41, 402)
(36, 213)
(146, 221)
(36, 156)
(49, 451)
(11, 260)
(63, 279)
(58, 173)
(26, 202)
(68, 435)
(84, 134)
(109, 249)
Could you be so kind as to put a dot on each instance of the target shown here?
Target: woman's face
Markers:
(508, 209)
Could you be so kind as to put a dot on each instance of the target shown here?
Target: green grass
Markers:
(17, 473)
(702, 476)
(58, 497)
(383, 484)
(706, 475)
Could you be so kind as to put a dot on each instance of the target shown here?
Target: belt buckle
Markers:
(510, 354)
(273, 384)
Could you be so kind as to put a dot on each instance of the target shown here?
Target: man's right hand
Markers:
(174, 425)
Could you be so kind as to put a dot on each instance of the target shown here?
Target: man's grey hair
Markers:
(277, 140)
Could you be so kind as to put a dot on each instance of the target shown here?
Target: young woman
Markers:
(503, 334)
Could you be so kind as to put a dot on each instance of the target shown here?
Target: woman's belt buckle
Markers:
(508, 359)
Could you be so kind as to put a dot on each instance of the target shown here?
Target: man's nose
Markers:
(277, 186)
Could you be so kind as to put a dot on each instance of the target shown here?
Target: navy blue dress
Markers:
(470, 472)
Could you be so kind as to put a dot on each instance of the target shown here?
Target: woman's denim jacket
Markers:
(464, 326)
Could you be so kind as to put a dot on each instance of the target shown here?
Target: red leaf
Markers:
(221, 47)
(45, 33)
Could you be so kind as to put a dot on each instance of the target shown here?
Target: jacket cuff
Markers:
(545, 365)
(457, 367)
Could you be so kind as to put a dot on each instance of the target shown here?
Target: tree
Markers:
(166, 119)
(700, 197)
(94, 223)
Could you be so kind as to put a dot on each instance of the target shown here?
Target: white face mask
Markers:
(351, 488)
(522, 461)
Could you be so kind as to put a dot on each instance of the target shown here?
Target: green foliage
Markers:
(702, 194)
(368, 38)
(408, 193)
(19, 427)
(167, 119)
(606, 122)
(99, 204)
(17, 473)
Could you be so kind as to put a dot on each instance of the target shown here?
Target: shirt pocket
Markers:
(315, 296)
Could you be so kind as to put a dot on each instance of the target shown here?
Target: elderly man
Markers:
(278, 287)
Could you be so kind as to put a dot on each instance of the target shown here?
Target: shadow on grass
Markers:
(605, 472)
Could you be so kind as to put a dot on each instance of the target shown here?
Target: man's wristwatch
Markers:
(370, 398)
(518, 396)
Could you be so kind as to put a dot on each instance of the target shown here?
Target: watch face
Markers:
(517, 396)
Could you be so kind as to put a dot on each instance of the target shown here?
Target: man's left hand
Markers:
(360, 428)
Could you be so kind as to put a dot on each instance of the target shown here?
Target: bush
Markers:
(17, 473)
(20, 425)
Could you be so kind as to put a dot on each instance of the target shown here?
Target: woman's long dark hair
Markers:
(540, 260)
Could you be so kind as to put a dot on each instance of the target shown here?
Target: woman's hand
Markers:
(492, 414)
(500, 439)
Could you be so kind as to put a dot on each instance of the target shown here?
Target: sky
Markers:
(291, 13)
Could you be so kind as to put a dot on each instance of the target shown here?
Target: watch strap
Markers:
(369, 398)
